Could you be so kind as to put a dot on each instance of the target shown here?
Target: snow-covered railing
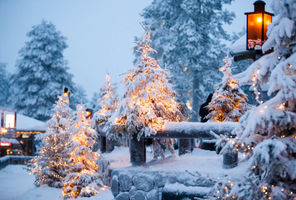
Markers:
(195, 130)
(182, 131)
(14, 160)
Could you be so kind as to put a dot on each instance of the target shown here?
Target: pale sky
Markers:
(100, 33)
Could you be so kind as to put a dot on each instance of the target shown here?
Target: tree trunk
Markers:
(185, 146)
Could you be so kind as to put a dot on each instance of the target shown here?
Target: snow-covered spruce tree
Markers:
(41, 72)
(93, 103)
(271, 126)
(186, 34)
(148, 100)
(4, 85)
(107, 105)
(229, 102)
(52, 161)
(82, 177)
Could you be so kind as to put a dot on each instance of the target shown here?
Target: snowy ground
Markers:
(207, 163)
(17, 184)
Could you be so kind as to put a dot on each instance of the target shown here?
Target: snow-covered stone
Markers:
(159, 180)
(153, 195)
(122, 196)
(138, 195)
(125, 182)
(143, 182)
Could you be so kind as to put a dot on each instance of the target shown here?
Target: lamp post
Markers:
(257, 23)
(66, 92)
(66, 95)
(89, 113)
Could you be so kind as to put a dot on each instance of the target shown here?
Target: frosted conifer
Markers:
(107, 104)
(268, 130)
(229, 102)
(82, 177)
(148, 100)
(186, 35)
(41, 72)
(51, 163)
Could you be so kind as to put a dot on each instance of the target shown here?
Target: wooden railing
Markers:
(183, 131)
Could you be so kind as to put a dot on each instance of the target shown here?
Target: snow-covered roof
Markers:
(25, 123)
(11, 140)
(239, 45)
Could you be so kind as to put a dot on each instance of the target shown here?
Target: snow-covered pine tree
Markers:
(186, 34)
(93, 103)
(41, 72)
(271, 126)
(4, 85)
(107, 104)
(229, 102)
(148, 100)
(52, 161)
(82, 177)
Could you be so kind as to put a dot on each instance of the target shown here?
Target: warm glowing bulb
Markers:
(259, 19)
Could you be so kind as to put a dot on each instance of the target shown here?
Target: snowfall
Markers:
(16, 183)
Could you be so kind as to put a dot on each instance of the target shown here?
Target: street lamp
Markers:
(89, 113)
(257, 23)
(66, 92)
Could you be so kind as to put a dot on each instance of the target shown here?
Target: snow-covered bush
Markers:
(271, 126)
(51, 163)
(82, 177)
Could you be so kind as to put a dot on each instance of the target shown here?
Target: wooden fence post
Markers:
(109, 145)
(137, 151)
(184, 146)
(103, 144)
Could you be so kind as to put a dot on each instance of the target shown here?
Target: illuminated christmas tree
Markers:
(229, 102)
(268, 131)
(107, 105)
(148, 100)
(82, 177)
(51, 163)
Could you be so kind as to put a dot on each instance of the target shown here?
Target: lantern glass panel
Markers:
(255, 30)
(267, 21)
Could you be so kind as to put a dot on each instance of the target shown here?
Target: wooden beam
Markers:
(195, 130)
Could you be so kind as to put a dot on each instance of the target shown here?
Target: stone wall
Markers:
(140, 184)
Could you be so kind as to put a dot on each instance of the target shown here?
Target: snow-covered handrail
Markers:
(182, 130)
(195, 130)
